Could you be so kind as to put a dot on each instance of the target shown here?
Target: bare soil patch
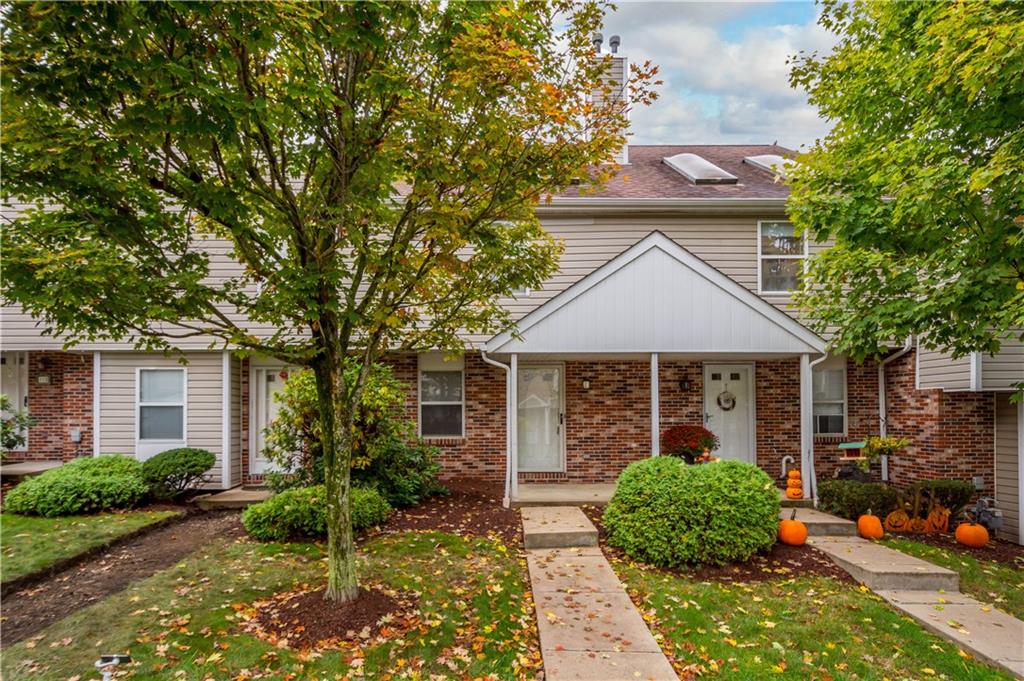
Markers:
(28, 610)
(781, 562)
(304, 620)
(996, 550)
(471, 507)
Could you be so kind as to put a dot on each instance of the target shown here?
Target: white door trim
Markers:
(561, 411)
(751, 399)
(21, 359)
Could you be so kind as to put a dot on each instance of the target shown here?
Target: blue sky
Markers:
(724, 67)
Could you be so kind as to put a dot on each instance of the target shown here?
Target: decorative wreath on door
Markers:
(726, 400)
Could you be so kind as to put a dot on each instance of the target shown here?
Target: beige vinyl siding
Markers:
(938, 370)
(1004, 370)
(204, 402)
(1007, 466)
(236, 421)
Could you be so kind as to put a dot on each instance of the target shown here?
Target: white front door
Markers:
(729, 409)
(541, 416)
(14, 383)
(269, 382)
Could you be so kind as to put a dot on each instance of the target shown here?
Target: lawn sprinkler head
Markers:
(105, 662)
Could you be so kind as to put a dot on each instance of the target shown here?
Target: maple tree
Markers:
(372, 167)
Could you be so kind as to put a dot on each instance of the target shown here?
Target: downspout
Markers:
(882, 418)
(812, 475)
(508, 428)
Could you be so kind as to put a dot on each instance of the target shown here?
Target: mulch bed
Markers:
(304, 620)
(471, 507)
(31, 609)
(996, 550)
(781, 562)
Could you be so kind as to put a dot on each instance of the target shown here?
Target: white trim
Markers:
(97, 376)
(751, 399)
(1020, 470)
(656, 204)
(21, 360)
(144, 449)
(562, 454)
(806, 425)
(225, 419)
(974, 360)
(513, 425)
(655, 407)
(761, 256)
(658, 240)
(456, 365)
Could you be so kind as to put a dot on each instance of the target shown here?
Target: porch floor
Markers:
(568, 494)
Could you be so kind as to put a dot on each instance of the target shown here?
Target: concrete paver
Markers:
(237, 497)
(880, 567)
(27, 468)
(596, 622)
(567, 494)
(571, 571)
(821, 524)
(556, 527)
(572, 665)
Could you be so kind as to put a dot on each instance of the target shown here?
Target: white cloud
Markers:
(720, 89)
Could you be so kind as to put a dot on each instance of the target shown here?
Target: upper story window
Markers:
(829, 387)
(780, 254)
(442, 396)
(161, 400)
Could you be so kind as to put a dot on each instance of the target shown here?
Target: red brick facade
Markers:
(59, 406)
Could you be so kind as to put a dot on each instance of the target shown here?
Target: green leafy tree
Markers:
(372, 166)
(921, 179)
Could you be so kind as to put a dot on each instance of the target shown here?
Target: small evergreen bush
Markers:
(404, 474)
(81, 486)
(301, 513)
(669, 514)
(169, 474)
(851, 499)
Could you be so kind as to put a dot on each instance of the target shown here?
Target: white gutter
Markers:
(882, 417)
(753, 205)
(508, 428)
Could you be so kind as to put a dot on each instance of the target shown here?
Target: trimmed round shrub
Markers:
(851, 499)
(169, 474)
(81, 486)
(404, 473)
(301, 513)
(667, 513)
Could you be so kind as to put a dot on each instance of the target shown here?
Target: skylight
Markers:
(773, 163)
(698, 170)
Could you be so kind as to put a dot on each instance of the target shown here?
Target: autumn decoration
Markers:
(792, 531)
(938, 517)
(869, 526)
(909, 516)
(691, 443)
(972, 534)
(794, 485)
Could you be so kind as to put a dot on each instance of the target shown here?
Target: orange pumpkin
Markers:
(938, 519)
(897, 521)
(792, 531)
(794, 482)
(794, 474)
(870, 526)
(971, 534)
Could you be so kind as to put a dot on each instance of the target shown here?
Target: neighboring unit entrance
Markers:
(14, 382)
(541, 419)
(729, 409)
(268, 383)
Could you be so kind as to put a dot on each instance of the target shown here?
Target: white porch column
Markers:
(655, 407)
(513, 427)
(806, 423)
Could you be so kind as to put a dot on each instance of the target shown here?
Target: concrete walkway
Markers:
(930, 595)
(589, 628)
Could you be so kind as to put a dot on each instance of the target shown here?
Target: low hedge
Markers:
(79, 487)
(170, 474)
(667, 513)
(301, 513)
(851, 499)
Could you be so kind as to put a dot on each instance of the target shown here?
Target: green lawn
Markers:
(29, 543)
(986, 580)
(475, 613)
(803, 628)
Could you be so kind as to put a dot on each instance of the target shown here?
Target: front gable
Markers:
(657, 297)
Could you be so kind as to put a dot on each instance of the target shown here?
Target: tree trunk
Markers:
(336, 415)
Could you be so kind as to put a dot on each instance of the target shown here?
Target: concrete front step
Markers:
(552, 527)
(28, 468)
(237, 497)
(982, 630)
(821, 524)
(881, 568)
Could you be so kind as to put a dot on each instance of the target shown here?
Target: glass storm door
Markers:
(728, 409)
(541, 417)
(269, 382)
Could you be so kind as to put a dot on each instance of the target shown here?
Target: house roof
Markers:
(647, 176)
(658, 297)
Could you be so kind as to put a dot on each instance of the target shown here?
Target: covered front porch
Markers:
(654, 338)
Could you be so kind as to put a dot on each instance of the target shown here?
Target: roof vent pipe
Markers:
(614, 43)
(597, 40)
